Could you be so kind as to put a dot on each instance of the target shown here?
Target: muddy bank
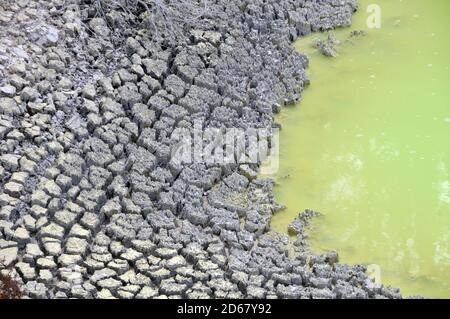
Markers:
(91, 206)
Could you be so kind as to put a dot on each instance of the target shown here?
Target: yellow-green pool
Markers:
(369, 146)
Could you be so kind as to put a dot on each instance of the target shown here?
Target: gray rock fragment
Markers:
(9, 106)
(8, 91)
(8, 256)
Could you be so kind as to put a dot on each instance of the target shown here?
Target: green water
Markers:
(368, 146)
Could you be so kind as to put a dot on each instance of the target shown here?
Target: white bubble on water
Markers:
(384, 150)
(356, 163)
(413, 258)
(399, 254)
(345, 188)
(442, 250)
(444, 184)
(444, 192)
(340, 189)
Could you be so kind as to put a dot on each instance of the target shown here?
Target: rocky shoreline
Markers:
(91, 206)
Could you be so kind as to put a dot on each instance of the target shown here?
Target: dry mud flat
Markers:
(91, 207)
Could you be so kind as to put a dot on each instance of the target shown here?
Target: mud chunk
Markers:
(155, 67)
(99, 26)
(8, 106)
(44, 35)
(8, 91)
